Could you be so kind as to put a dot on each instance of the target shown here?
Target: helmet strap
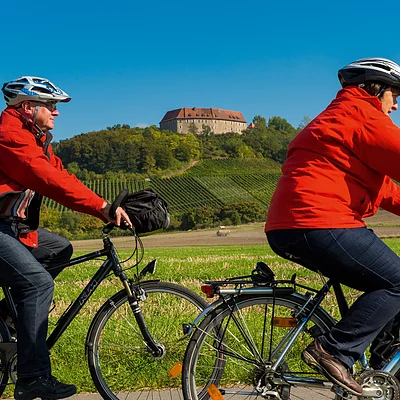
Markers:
(383, 89)
(32, 126)
(35, 113)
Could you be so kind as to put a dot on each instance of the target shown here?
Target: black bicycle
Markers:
(134, 343)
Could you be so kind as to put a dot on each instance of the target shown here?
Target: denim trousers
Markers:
(357, 258)
(23, 270)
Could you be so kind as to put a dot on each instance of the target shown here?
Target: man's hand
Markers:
(120, 215)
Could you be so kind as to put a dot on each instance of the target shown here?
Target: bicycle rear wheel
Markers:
(119, 361)
(233, 348)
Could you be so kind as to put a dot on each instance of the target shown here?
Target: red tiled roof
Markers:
(203, 113)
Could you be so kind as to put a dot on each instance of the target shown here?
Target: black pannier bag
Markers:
(147, 210)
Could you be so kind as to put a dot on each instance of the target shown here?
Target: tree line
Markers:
(124, 152)
(76, 226)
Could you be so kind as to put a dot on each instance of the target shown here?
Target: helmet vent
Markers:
(42, 90)
(15, 87)
(383, 66)
(395, 74)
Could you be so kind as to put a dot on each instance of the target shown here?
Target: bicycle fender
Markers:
(114, 298)
(208, 309)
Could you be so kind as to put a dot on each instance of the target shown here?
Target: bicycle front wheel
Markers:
(232, 351)
(120, 363)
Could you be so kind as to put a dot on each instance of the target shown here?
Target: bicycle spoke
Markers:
(121, 363)
(230, 346)
(228, 349)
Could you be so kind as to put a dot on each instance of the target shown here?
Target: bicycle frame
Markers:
(393, 366)
(110, 264)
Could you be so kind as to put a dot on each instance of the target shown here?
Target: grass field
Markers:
(186, 266)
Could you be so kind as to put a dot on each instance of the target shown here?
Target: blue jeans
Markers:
(32, 289)
(357, 258)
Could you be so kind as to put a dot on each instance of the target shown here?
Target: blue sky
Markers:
(128, 62)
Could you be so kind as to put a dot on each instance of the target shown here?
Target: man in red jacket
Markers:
(339, 170)
(29, 170)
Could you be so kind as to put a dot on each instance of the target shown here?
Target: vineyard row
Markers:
(183, 193)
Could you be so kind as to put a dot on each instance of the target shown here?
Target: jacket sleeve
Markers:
(24, 161)
(391, 197)
(377, 144)
(56, 161)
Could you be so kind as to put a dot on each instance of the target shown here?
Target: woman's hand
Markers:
(120, 215)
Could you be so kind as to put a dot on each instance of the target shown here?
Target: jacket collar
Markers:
(11, 116)
(355, 92)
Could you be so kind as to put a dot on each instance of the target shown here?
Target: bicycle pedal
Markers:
(341, 392)
(214, 393)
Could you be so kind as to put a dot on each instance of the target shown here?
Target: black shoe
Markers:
(45, 387)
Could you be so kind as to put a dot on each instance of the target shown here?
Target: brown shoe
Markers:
(317, 358)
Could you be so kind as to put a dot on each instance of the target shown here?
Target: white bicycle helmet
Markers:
(32, 88)
(380, 70)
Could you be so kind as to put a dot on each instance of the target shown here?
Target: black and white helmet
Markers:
(380, 70)
(32, 88)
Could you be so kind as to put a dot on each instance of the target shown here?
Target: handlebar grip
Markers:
(108, 228)
(116, 203)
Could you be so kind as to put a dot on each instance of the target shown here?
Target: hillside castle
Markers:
(182, 120)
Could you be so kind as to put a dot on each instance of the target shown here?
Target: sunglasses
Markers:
(50, 105)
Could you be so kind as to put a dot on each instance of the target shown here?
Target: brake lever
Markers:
(108, 228)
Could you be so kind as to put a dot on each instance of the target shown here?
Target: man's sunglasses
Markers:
(50, 105)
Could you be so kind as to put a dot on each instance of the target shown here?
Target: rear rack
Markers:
(261, 280)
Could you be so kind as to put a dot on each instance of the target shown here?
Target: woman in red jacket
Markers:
(339, 170)
(28, 171)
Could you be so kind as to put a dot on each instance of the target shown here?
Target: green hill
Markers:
(210, 182)
(234, 166)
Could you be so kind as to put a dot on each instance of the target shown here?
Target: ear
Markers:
(28, 108)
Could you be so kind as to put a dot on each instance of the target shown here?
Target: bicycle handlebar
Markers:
(116, 203)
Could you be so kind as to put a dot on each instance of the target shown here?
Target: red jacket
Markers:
(338, 168)
(25, 169)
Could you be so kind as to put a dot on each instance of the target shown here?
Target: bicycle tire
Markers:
(119, 363)
(230, 351)
(5, 336)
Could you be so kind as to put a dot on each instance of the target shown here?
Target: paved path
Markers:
(297, 393)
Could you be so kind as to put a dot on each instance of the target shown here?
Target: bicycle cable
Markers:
(138, 250)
